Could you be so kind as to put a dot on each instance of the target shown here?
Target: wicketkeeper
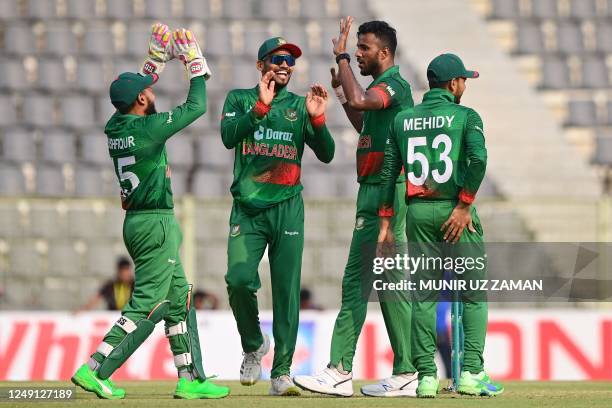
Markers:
(137, 136)
(268, 128)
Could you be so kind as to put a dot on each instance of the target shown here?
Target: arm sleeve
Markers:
(236, 123)
(392, 166)
(165, 124)
(320, 140)
(477, 155)
(390, 91)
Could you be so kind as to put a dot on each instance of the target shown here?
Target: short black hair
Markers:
(383, 31)
(441, 85)
(123, 262)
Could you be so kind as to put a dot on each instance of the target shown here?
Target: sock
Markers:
(93, 364)
(186, 373)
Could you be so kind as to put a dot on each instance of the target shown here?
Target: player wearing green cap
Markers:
(441, 146)
(268, 127)
(136, 142)
(371, 113)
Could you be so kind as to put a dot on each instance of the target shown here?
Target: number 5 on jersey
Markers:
(414, 156)
(127, 175)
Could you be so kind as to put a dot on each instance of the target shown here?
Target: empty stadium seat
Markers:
(50, 181)
(179, 182)
(218, 40)
(212, 152)
(99, 41)
(13, 75)
(583, 9)
(19, 39)
(78, 111)
(96, 181)
(545, 9)
(529, 39)
(137, 39)
(254, 35)
(42, 9)
(237, 9)
(569, 38)
(504, 9)
(120, 9)
(59, 39)
(51, 75)
(104, 110)
(18, 145)
(83, 9)
(90, 76)
(315, 9)
(594, 73)
(8, 11)
(46, 222)
(94, 148)
(59, 252)
(358, 9)
(9, 110)
(24, 259)
(40, 110)
(555, 74)
(609, 112)
(12, 182)
(271, 9)
(604, 37)
(207, 184)
(603, 151)
(180, 149)
(582, 113)
(157, 9)
(58, 147)
(318, 183)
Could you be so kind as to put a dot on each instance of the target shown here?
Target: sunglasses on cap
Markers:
(279, 59)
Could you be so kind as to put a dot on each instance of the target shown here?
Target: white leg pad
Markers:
(179, 328)
(181, 360)
(104, 349)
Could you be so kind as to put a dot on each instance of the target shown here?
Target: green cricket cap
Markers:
(125, 88)
(446, 67)
(275, 44)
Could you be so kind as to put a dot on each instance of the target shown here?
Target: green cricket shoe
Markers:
(88, 380)
(197, 389)
(428, 387)
(478, 384)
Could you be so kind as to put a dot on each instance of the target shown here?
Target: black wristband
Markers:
(342, 56)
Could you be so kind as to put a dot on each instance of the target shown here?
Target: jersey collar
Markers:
(389, 71)
(438, 95)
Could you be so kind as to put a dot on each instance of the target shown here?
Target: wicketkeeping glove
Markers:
(186, 48)
(160, 50)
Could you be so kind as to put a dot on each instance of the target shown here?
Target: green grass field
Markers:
(517, 395)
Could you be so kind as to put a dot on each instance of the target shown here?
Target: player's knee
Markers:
(237, 282)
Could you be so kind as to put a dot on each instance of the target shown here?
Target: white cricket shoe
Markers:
(402, 385)
(330, 381)
(250, 370)
(283, 386)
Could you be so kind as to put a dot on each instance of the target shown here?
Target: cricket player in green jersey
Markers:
(268, 126)
(371, 113)
(441, 146)
(137, 136)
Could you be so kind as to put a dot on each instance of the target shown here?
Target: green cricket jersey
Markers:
(442, 147)
(269, 146)
(137, 145)
(396, 94)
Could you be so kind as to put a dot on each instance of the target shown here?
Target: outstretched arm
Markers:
(354, 116)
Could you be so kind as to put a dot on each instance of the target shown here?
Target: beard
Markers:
(458, 100)
(151, 109)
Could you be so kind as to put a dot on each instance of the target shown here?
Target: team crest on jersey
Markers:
(291, 115)
(235, 230)
(359, 223)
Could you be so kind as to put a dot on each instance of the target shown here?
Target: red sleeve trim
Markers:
(466, 197)
(261, 109)
(379, 89)
(318, 121)
(386, 212)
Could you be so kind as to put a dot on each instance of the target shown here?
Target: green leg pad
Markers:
(194, 344)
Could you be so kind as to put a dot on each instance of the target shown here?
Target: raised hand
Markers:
(186, 48)
(340, 42)
(159, 51)
(266, 88)
(316, 100)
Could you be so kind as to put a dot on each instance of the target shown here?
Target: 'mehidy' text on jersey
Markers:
(442, 147)
(268, 149)
(137, 145)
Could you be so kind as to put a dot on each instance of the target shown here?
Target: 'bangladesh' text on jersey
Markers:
(268, 150)
(137, 145)
(396, 94)
(442, 147)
